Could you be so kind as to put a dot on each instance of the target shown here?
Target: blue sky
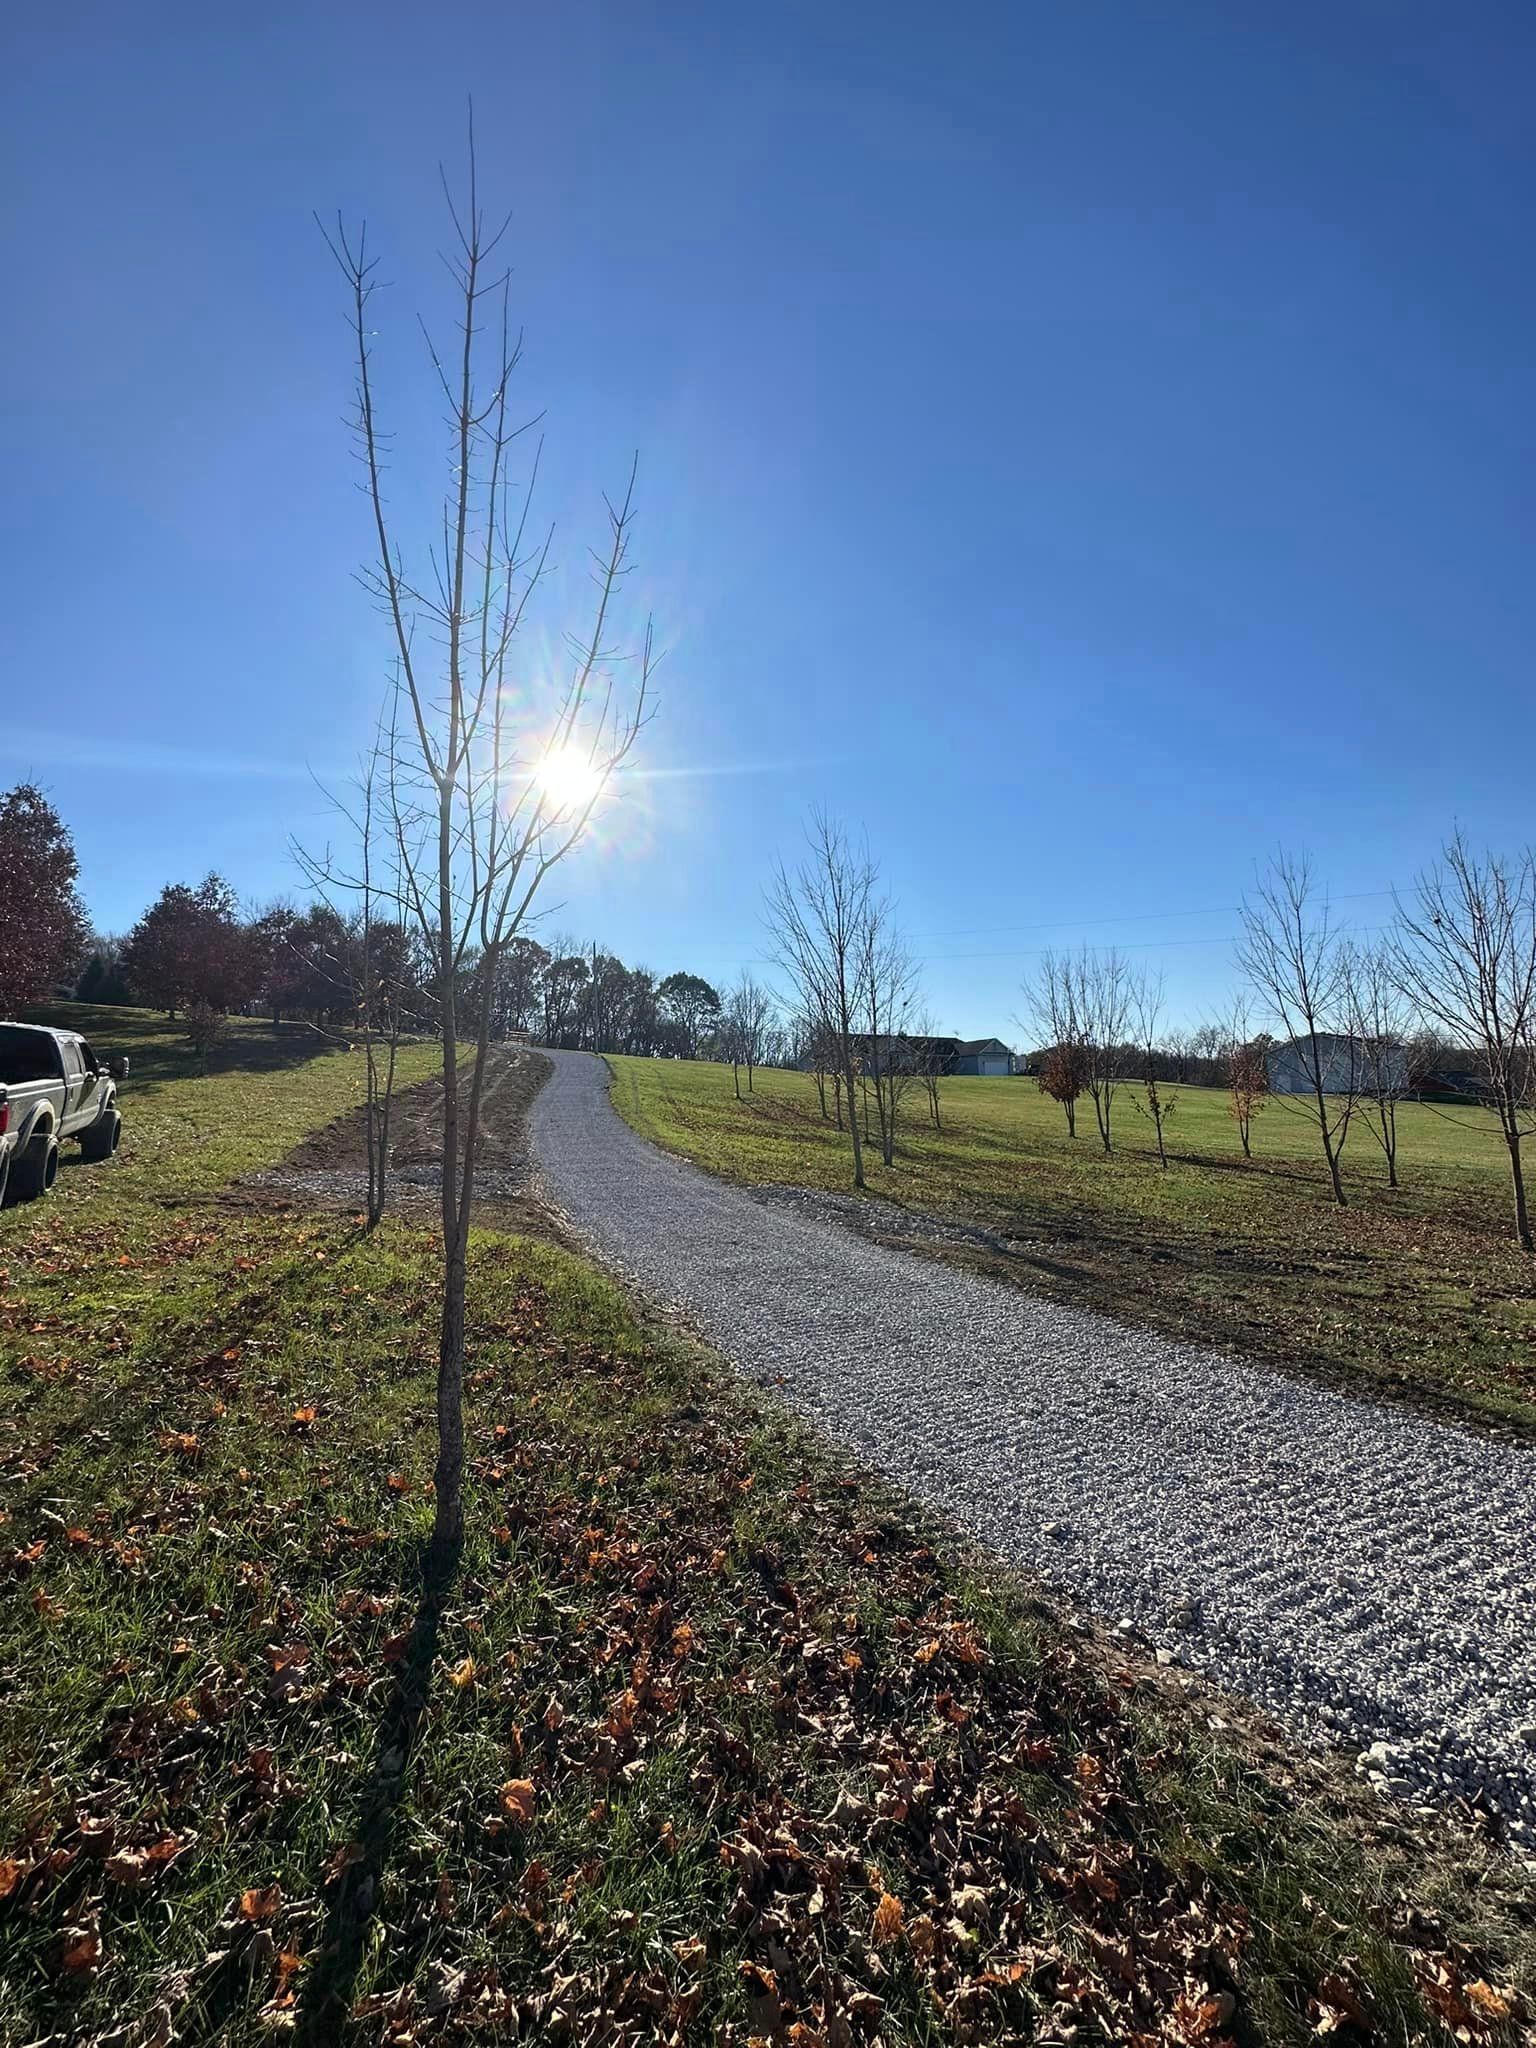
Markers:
(1081, 445)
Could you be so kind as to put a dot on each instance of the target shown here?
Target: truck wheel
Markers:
(101, 1140)
(35, 1168)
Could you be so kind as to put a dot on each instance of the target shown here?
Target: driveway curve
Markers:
(1363, 1572)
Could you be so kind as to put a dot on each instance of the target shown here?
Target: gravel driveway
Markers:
(1364, 1573)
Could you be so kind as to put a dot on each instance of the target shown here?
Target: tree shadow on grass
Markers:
(331, 1983)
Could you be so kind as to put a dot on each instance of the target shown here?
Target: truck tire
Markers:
(5, 1176)
(100, 1141)
(35, 1167)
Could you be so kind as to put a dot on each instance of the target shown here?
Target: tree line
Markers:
(196, 954)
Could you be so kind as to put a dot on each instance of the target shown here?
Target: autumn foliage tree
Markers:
(45, 929)
(1247, 1086)
(190, 946)
(1064, 1076)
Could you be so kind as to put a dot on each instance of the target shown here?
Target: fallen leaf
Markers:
(887, 1921)
(517, 1800)
(260, 1903)
(81, 1949)
(1492, 2004)
(135, 1867)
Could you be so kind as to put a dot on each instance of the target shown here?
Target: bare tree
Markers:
(369, 967)
(928, 1062)
(1465, 956)
(1382, 1019)
(1298, 960)
(747, 1017)
(1147, 1015)
(889, 980)
(485, 797)
(818, 921)
(1103, 1000)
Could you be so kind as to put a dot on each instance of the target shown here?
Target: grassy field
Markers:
(1418, 1291)
(711, 1740)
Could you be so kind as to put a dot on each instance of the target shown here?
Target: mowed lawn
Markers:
(1419, 1290)
(710, 1740)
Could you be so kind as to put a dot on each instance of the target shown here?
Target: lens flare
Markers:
(568, 780)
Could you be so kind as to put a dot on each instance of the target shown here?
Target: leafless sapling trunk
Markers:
(367, 982)
(889, 978)
(486, 796)
(1465, 956)
(818, 920)
(928, 1063)
(748, 1016)
(1102, 1000)
(1147, 1014)
(1298, 961)
(1381, 1019)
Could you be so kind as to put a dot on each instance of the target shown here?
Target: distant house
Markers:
(1342, 1059)
(982, 1056)
(908, 1053)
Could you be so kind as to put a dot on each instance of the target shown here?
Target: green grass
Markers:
(1418, 1291)
(711, 1739)
(186, 1135)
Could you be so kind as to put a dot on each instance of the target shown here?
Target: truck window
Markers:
(28, 1055)
(88, 1059)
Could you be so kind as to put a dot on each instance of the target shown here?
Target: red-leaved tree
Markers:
(191, 947)
(44, 921)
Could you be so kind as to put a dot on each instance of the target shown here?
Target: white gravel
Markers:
(1363, 1572)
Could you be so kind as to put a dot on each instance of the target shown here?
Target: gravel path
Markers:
(1363, 1572)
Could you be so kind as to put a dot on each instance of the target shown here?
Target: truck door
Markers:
(74, 1083)
(90, 1081)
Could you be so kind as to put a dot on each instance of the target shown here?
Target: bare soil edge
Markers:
(328, 1169)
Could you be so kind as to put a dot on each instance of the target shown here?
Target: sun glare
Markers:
(568, 780)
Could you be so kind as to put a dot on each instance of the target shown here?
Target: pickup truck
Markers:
(52, 1086)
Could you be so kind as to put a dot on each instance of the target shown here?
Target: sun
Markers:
(568, 780)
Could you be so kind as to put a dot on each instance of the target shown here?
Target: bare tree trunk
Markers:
(853, 1125)
(1512, 1139)
(1330, 1151)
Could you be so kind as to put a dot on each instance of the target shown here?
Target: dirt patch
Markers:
(329, 1168)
